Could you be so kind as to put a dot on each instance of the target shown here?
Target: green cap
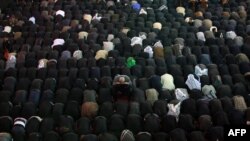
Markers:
(131, 62)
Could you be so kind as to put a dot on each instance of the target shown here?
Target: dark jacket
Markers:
(6, 123)
(18, 129)
(151, 122)
(134, 123)
(188, 106)
(224, 90)
(83, 125)
(106, 109)
(45, 109)
(215, 106)
(33, 124)
(89, 137)
(202, 108)
(71, 136)
(177, 134)
(186, 122)
(196, 136)
(116, 124)
(155, 82)
(227, 104)
(143, 136)
(72, 109)
(215, 133)
(52, 136)
(169, 123)
(20, 97)
(220, 118)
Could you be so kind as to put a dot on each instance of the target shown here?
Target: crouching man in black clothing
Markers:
(122, 87)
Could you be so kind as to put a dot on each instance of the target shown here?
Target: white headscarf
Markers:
(230, 34)
(20, 121)
(77, 54)
(199, 71)
(157, 25)
(60, 12)
(136, 40)
(82, 35)
(149, 50)
(97, 17)
(213, 28)
(101, 54)
(181, 94)
(57, 42)
(167, 81)
(193, 83)
(158, 44)
(11, 62)
(33, 20)
(7, 29)
(142, 11)
(200, 36)
(174, 110)
(181, 10)
(87, 17)
(110, 37)
(42, 63)
(107, 45)
(152, 95)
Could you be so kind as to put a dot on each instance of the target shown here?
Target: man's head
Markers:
(121, 79)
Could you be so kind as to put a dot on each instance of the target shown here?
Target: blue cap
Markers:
(136, 7)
